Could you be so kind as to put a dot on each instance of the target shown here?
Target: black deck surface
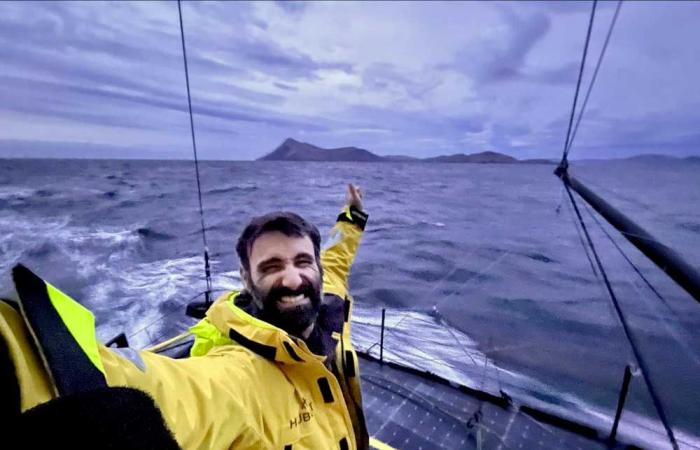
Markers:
(410, 411)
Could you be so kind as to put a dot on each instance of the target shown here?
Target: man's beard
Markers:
(294, 320)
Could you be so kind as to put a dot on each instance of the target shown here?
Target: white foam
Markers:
(155, 283)
(10, 192)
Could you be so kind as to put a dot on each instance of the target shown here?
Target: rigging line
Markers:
(617, 195)
(583, 243)
(207, 270)
(439, 283)
(459, 343)
(680, 339)
(578, 84)
(595, 74)
(624, 255)
(473, 278)
(483, 374)
(626, 328)
(412, 358)
(600, 284)
(173, 312)
(455, 268)
(461, 347)
(561, 200)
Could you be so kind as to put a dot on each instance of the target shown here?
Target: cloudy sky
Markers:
(107, 80)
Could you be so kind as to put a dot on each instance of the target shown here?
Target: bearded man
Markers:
(271, 367)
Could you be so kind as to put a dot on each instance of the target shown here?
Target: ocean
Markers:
(480, 268)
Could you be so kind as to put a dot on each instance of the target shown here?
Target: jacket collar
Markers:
(234, 314)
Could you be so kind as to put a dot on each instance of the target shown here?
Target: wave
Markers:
(150, 234)
(539, 257)
(15, 193)
(110, 194)
(41, 250)
(150, 296)
(127, 203)
(693, 227)
(44, 193)
(244, 187)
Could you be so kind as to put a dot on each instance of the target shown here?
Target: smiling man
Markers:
(293, 317)
(272, 366)
(280, 264)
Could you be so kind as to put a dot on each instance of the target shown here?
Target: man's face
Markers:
(285, 281)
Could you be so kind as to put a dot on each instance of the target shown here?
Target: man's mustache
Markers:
(306, 289)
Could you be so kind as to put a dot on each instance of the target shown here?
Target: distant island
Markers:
(293, 150)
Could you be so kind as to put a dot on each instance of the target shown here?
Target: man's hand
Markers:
(354, 196)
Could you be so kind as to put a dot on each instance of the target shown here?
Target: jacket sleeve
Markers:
(337, 259)
(203, 400)
(54, 355)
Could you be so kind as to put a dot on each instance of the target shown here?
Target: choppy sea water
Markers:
(480, 267)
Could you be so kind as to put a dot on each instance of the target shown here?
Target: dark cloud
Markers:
(261, 72)
(289, 64)
(570, 7)
(236, 48)
(291, 7)
(469, 125)
(495, 59)
(285, 87)
(28, 148)
(384, 76)
(292, 64)
(669, 132)
(565, 74)
(44, 105)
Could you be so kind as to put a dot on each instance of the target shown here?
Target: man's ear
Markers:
(245, 277)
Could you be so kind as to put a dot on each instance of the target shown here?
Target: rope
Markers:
(168, 314)
(439, 303)
(207, 270)
(578, 84)
(680, 339)
(583, 243)
(595, 74)
(629, 261)
(626, 328)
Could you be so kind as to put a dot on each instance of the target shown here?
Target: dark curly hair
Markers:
(287, 223)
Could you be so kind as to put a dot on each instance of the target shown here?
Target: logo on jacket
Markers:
(306, 413)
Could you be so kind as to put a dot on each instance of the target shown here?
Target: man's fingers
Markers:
(354, 191)
(354, 195)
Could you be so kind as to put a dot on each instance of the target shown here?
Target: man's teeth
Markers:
(292, 298)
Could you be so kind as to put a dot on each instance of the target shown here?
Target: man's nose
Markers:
(291, 278)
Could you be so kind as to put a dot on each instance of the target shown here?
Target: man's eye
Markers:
(269, 269)
(304, 262)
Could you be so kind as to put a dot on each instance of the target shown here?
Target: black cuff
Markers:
(359, 218)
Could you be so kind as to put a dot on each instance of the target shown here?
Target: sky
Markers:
(106, 79)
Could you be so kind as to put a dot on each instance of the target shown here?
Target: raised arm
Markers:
(337, 259)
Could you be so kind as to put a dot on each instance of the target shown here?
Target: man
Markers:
(271, 367)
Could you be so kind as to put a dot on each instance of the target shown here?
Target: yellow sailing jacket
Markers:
(247, 384)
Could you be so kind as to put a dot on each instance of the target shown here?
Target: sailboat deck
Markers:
(409, 410)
